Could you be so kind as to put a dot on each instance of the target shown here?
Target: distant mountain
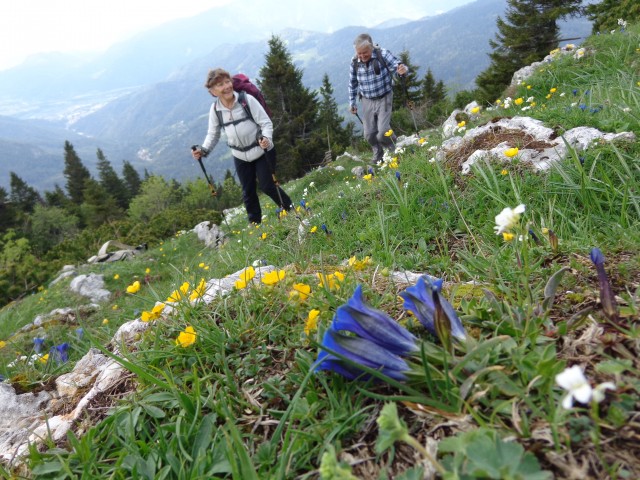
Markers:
(144, 100)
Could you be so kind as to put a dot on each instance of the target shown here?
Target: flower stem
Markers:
(425, 453)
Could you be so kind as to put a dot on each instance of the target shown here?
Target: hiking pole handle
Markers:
(212, 187)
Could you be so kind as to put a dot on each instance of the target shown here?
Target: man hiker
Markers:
(370, 80)
(249, 132)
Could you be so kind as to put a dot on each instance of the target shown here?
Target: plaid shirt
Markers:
(364, 80)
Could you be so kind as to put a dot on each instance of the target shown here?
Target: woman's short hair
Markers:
(363, 40)
(215, 76)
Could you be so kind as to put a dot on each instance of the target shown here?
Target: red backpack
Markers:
(241, 83)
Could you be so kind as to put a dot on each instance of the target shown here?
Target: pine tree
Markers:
(132, 181)
(407, 90)
(23, 197)
(75, 173)
(329, 124)
(528, 33)
(294, 109)
(110, 181)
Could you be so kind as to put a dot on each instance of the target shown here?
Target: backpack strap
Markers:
(242, 100)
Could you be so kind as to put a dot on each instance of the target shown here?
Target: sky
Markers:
(28, 27)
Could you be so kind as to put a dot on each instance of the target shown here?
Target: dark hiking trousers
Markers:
(259, 172)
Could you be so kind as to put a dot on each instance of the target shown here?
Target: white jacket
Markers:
(242, 132)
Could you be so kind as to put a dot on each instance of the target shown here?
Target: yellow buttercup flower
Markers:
(511, 152)
(154, 314)
(147, 271)
(504, 172)
(44, 358)
(553, 90)
(186, 337)
(3, 344)
(359, 264)
(273, 277)
(105, 321)
(475, 110)
(422, 140)
(116, 276)
(199, 290)
(507, 236)
(518, 101)
(331, 281)
(312, 322)
(462, 124)
(245, 277)
(388, 133)
(367, 177)
(314, 229)
(300, 291)
(134, 287)
(264, 235)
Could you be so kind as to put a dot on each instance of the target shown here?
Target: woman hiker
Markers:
(250, 140)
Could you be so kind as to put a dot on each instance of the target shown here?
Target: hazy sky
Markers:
(32, 26)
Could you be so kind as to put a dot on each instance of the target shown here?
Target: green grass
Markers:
(243, 402)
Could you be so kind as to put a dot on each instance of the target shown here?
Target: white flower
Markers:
(622, 23)
(507, 218)
(312, 184)
(577, 386)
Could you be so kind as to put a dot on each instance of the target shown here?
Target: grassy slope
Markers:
(240, 402)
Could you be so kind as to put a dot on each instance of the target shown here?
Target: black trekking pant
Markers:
(259, 170)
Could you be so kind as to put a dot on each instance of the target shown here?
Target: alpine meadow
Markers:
(467, 308)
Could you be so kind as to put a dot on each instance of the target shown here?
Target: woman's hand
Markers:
(265, 143)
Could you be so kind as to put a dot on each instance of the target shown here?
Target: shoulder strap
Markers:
(242, 98)
(381, 58)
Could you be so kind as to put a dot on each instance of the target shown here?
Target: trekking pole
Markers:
(275, 181)
(409, 104)
(211, 185)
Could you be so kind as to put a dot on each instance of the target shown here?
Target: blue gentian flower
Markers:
(60, 352)
(398, 175)
(419, 299)
(373, 325)
(79, 333)
(37, 344)
(582, 106)
(371, 171)
(360, 351)
(534, 237)
(607, 299)
(325, 229)
(575, 92)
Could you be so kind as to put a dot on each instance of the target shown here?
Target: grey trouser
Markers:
(376, 121)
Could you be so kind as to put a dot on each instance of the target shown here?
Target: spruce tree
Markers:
(110, 181)
(7, 212)
(99, 206)
(23, 197)
(329, 124)
(294, 112)
(56, 197)
(407, 90)
(131, 179)
(75, 173)
(526, 35)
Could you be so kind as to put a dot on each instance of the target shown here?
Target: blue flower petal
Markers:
(360, 351)
(374, 325)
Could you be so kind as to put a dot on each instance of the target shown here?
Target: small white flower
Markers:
(576, 384)
(406, 185)
(312, 184)
(507, 218)
(562, 94)
(622, 23)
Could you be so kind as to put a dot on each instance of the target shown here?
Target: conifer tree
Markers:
(98, 207)
(294, 109)
(329, 125)
(605, 14)
(432, 92)
(526, 35)
(7, 213)
(408, 88)
(23, 197)
(131, 179)
(75, 173)
(56, 197)
(110, 181)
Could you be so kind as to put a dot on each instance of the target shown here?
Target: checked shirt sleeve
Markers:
(353, 83)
